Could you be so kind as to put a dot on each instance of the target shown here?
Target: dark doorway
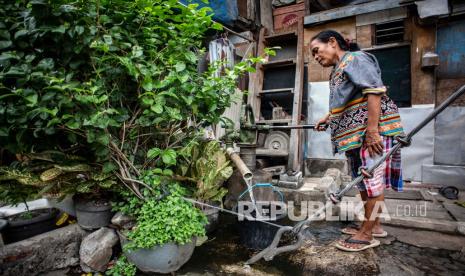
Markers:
(395, 68)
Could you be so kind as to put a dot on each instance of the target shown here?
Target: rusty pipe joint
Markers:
(240, 165)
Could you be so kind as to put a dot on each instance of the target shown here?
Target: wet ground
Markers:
(223, 254)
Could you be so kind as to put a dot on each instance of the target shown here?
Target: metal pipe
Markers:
(272, 127)
(240, 165)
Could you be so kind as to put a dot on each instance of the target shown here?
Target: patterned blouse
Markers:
(356, 75)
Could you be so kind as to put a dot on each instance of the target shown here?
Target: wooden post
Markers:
(256, 79)
(266, 14)
(295, 147)
(307, 7)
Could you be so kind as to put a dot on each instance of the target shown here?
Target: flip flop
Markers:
(375, 235)
(367, 244)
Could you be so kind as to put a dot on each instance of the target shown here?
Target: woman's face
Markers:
(324, 53)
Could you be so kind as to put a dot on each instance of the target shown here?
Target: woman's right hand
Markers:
(325, 121)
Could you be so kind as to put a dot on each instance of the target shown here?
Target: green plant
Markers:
(52, 174)
(163, 219)
(122, 268)
(126, 96)
(206, 164)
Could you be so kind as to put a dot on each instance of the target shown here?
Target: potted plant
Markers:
(24, 224)
(166, 229)
(53, 174)
(207, 167)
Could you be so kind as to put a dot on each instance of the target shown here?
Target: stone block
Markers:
(97, 248)
(54, 250)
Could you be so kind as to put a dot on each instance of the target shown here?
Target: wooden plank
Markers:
(280, 63)
(289, 9)
(426, 195)
(447, 86)
(307, 7)
(256, 83)
(423, 40)
(381, 16)
(280, 36)
(364, 36)
(251, 10)
(295, 145)
(350, 10)
(279, 90)
(458, 212)
(266, 14)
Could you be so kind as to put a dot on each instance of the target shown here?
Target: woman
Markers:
(363, 122)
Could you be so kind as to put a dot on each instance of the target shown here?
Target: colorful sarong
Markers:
(387, 175)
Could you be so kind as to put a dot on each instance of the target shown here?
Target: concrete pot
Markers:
(164, 258)
(18, 229)
(212, 215)
(92, 214)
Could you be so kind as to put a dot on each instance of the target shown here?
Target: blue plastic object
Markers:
(225, 12)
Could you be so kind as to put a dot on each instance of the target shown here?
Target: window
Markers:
(389, 32)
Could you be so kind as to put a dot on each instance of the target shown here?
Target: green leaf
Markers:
(103, 139)
(157, 108)
(147, 84)
(153, 152)
(73, 124)
(108, 167)
(61, 29)
(137, 51)
(5, 44)
(217, 26)
(191, 56)
(167, 172)
(4, 131)
(32, 99)
(147, 101)
(180, 66)
(79, 29)
(20, 33)
(108, 39)
(169, 157)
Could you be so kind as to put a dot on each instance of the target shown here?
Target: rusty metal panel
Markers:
(451, 50)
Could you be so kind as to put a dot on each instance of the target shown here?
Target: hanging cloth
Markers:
(221, 49)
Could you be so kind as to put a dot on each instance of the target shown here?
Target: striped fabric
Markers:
(387, 175)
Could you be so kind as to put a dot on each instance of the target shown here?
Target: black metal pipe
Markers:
(272, 127)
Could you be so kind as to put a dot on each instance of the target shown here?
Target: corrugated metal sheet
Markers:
(225, 12)
(451, 50)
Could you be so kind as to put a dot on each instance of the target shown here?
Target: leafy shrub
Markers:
(114, 81)
(122, 268)
(163, 219)
(206, 164)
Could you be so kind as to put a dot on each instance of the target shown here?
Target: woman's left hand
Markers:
(373, 142)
